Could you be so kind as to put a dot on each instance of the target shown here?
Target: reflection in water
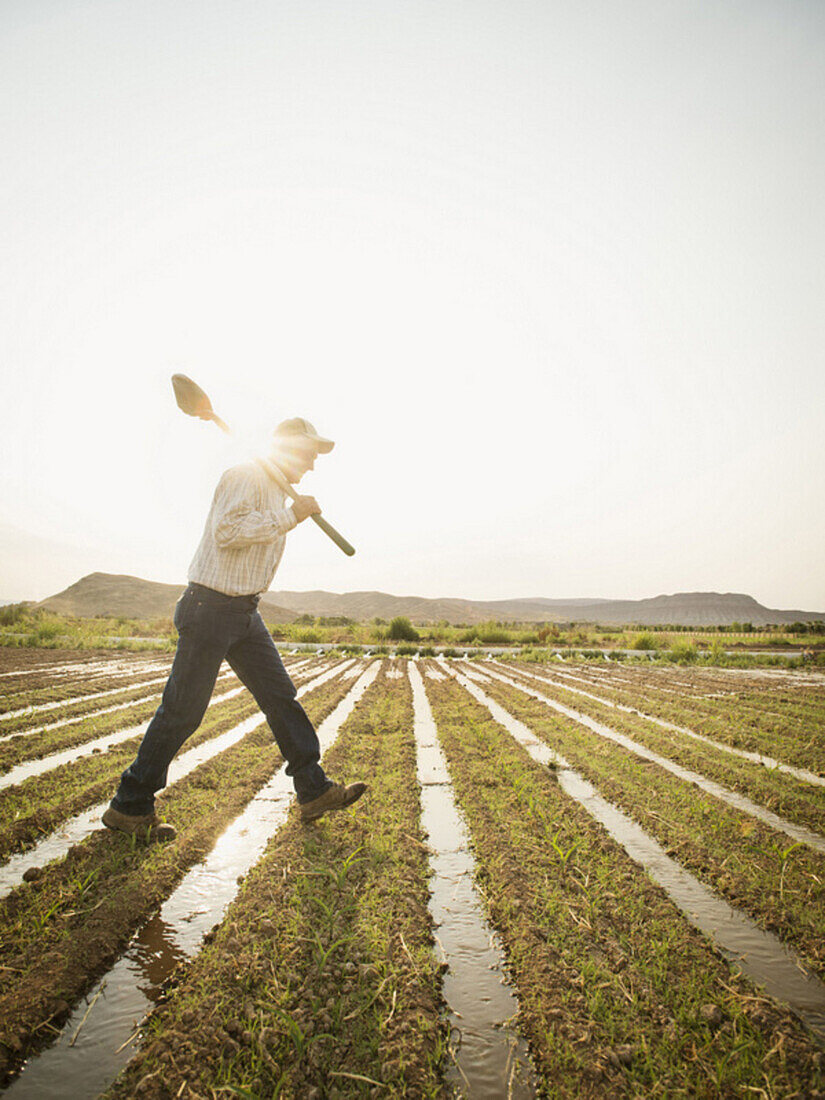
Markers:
(156, 951)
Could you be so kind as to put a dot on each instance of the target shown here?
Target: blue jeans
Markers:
(211, 627)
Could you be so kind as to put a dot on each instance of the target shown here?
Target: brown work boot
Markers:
(337, 797)
(139, 825)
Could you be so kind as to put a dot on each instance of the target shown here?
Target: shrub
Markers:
(402, 630)
(12, 613)
(450, 652)
(492, 635)
(426, 651)
(683, 653)
(406, 651)
(644, 641)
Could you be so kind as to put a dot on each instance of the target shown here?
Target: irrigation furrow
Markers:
(91, 716)
(74, 831)
(732, 798)
(802, 774)
(794, 716)
(760, 955)
(30, 711)
(30, 768)
(34, 711)
(61, 932)
(779, 884)
(492, 1059)
(86, 697)
(322, 971)
(82, 665)
(789, 701)
(78, 1069)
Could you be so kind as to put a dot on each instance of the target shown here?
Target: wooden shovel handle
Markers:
(278, 477)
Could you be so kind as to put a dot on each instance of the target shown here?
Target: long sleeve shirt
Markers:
(243, 540)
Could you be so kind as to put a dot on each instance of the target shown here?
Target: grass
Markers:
(30, 720)
(37, 806)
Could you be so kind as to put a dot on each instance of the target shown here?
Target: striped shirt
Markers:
(243, 540)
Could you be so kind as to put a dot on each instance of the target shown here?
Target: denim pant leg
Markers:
(258, 665)
(185, 699)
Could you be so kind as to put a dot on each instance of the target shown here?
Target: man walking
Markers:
(217, 619)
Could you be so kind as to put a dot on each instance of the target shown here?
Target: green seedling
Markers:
(324, 953)
(339, 877)
(43, 919)
(563, 855)
(784, 856)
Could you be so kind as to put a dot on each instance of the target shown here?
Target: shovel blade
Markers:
(190, 397)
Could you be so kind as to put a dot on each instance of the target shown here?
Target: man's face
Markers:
(295, 455)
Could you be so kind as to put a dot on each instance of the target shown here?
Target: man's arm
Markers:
(237, 523)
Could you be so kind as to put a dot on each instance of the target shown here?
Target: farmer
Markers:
(217, 619)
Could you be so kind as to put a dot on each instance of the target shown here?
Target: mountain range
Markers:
(133, 597)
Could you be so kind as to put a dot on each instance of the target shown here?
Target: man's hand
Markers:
(305, 506)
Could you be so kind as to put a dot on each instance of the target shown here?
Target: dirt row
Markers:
(150, 685)
(30, 658)
(321, 980)
(34, 808)
(42, 701)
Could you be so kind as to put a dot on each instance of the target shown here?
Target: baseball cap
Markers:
(298, 426)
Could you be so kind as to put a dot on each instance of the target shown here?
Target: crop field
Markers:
(565, 879)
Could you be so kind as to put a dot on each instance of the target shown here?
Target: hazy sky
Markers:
(551, 274)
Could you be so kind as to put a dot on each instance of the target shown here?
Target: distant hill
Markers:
(688, 608)
(134, 598)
